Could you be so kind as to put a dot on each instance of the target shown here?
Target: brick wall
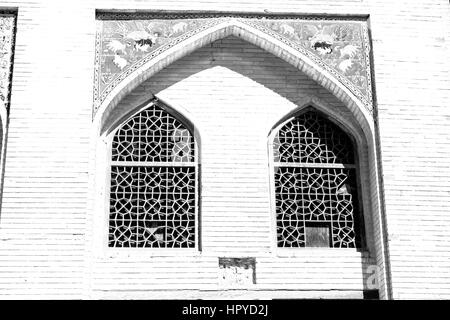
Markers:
(412, 90)
(48, 227)
(46, 169)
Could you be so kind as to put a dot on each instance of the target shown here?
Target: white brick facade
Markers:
(53, 218)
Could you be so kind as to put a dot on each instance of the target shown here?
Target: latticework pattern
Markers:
(153, 183)
(315, 182)
(310, 138)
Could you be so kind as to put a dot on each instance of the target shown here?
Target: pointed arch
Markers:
(362, 124)
(316, 188)
(366, 170)
(154, 180)
(234, 27)
(3, 136)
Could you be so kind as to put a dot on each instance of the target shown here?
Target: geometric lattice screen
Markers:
(315, 184)
(153, 183)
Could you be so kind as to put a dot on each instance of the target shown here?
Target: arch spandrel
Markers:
(334, 52)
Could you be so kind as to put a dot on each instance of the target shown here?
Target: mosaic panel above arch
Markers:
(126, 41)
(7, 32)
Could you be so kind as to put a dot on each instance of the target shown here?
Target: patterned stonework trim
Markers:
(125, 42)
(7, 31)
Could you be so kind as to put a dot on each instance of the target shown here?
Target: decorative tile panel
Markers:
(153, 183)
(125, 42)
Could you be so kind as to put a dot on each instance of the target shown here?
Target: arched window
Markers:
(153, 196)
(316, 187)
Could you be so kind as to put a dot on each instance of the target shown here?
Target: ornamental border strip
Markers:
(366, 100)
(147, 15)
(214, 19)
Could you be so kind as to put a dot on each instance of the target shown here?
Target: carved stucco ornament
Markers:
(125, 42)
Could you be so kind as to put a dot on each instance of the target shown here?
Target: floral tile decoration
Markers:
(125, 42)
(7, 30)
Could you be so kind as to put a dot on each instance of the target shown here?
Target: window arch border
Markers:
(107, 136)
(359, 144)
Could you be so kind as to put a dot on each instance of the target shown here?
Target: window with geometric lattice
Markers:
(316, 190)
(153, 195)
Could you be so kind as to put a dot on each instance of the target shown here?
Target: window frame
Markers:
(300, 251)
(109, 163)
